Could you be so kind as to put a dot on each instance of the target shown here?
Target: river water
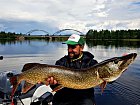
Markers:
(124, 91)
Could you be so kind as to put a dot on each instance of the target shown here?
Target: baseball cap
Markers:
(75, 39)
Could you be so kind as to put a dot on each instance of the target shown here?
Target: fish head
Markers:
(116, 66)
(125, 61)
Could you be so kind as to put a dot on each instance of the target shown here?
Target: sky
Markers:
(21, 16)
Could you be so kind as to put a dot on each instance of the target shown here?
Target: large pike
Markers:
(103, 72)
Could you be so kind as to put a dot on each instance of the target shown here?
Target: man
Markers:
(78, 59)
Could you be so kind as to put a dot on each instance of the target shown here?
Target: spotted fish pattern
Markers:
(101, 73)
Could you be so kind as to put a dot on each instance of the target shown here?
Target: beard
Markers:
(72, 55)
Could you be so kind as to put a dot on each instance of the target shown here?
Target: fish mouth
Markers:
(122, 63)
(129, 56)
(127, 60)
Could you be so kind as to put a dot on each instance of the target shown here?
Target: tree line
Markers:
(8, 35)
(113, 34)
(91, 34)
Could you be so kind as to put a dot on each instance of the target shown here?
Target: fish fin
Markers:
(26, 87)
(57, 88)
(14, 83)
(103, 85)
(28, 66)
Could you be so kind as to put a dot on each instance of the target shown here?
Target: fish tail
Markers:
(14, 82)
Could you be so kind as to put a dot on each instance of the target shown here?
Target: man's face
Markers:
(74, 51)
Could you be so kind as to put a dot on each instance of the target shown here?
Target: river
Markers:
(124, 91)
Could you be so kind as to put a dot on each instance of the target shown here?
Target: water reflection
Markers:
(116, 43)
(11, 42)
(90, 43)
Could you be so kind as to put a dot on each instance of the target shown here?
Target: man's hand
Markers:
(51, 81)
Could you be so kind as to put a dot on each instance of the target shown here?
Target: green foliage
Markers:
(8, 35)
(118, 34)
(111, 43)
(91, 34)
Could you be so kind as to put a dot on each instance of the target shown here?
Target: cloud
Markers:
(53, 15)
(115, 25)
(25, 26)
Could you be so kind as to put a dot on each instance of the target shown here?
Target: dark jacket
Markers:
(67, 94)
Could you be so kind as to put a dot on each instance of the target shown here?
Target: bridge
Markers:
(47, 35)
(36, 30)
(57, 32)
(54, 34)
